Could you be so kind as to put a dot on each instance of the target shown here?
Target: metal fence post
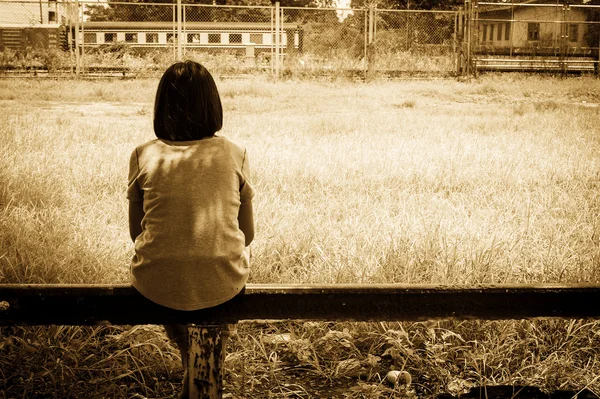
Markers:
(277, 37)
(597, 67)
(77, 55)
(179, 39)
(205, 362)
(371, 43)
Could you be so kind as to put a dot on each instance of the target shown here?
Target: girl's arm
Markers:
(246, 221)
(136, 213)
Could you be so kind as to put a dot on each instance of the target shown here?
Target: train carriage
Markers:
(201, 35)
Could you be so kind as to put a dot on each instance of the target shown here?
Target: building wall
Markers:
(526, 32)
(31, 13)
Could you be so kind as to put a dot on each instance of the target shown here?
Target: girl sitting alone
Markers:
(190, 203)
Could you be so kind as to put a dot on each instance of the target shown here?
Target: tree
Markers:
(135, 11)
(410, 4)
(140, 10)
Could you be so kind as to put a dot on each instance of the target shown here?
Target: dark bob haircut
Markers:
(187, 105)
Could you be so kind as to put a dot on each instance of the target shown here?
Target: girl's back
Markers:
(191, 251)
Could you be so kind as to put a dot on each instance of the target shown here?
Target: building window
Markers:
(151, 37)
(533, 31)
(574, 33)
(193, 37)
(491, 33)
(214, 38)
(131, 37)
(89, 38)
(499, 33)
(256, 38)
(110, 37)
(507, 31)
(235, 38)
(51, 16)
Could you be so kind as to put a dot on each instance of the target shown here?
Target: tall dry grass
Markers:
(488, 181)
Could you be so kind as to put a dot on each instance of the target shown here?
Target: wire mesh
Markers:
(237, 37)
(31, 13)
(415, 40)
(149, 36)
(330, 39)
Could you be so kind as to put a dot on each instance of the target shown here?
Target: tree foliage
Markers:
(153, 10)
(410, 4)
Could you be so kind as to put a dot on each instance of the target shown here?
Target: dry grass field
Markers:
(495, 180)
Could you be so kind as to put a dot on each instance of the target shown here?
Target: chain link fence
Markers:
(331, 40)
(416, 40)
(147, 37)
(144, 38)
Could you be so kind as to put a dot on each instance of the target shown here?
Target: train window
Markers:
(214, 38)
(484, 32)
(89, 38)
(131, 37)
(256, 38)
(171, 37)
(151, 37)
(491, 32)
(507, 31)
(110, 37)
(533, 31)
(499, 33)
(235, 38)
(573, 33)
(193, 38)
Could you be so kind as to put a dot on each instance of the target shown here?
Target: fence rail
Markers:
(122, 304)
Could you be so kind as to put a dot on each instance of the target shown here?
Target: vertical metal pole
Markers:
(41, 14)
(454, 43)
(564, 40)
(371, 22)
(277, 37)
(179, 39)
(205, 362)
(512, 26)
(366, 48)
(407, 33)
(469, 29)
(371, 44)
(174, 32)
(283, 47)
(82, 43)
(77, 58)
(597, 68)
(70, 35)
(272, 36)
